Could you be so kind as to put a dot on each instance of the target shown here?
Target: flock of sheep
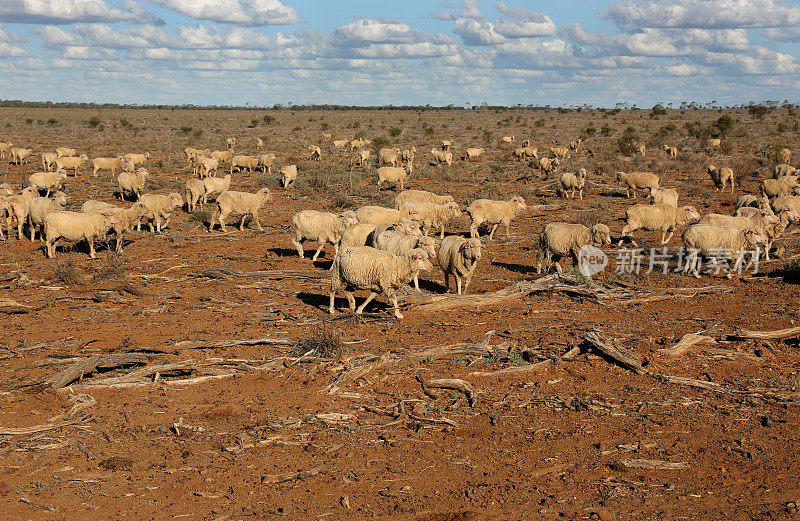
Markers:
(383, 249)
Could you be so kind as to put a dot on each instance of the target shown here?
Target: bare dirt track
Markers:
(173, 426)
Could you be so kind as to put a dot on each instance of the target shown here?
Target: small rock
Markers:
(4, 488)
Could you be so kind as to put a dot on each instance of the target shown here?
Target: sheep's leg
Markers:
(468, 278)
(397, 313)
(241, 223)
(51, 248)
(19, 228)
(258, 223)
(416, 282)
(508, 228)
(473, 230)
(298, 246)
(558, 267)
(330, 306)
(91, 248)
(446, 282)
(441, 235)
(491, 233)
(351, 300)
(371, 296)
(316, 254)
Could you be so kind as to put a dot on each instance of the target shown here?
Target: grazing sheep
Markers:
(792, 200)
(664, 196)
(721, 176)
(408, 155)
(288, 175)
(575, 145)
(75, 227)
(389, 156)
(17, 207)
(206, 166)
(719, 241)
(473, 153)
(772, 225)
(159, 210)
(508, 139)
(19, 155)
(634, 180)
(559, 152)
(399, 242)
(747, 200)
(5, 189)
(655, 217)
(380, 215)
(215, 185)
(323, 227)
(93, 205)
(362, 157)
(362, 267)
(106, 163)
(431, 215)
(525, 152)
(670, 151)
(195, 190)
(315, 153)
(394, 175)
(548, 165)
(785, 185)
(48, 160)
(458, 257)
(641, 148)
(493, 212)
(265, 163)
(137, 158)
(132, 183)
(713, 143)
(440, 156)
(71, 163)
(358, 143)
(231, 142)
(49, 181)
(783, 170)
(446, 144)
(571, 182)
(561, 239)
(124, 221)
(340, 143)
(222, 156)
(422, 196)
(242, 203)
(39, 208)
(65, 152)
(785, 154)
(259, 143)
(242, 162)
(366, 234)
(5, 148)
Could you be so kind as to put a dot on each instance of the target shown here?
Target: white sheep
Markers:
(408, 155)
(785, 154)
(340, 143)
(71, 163)
(17, 207)
(389, 156)
(265, 162)
(125, 219)
(525, 152)
(395, 175)
(773, 225)
(231, 141)
(782, 170)
(315, 153)
(570, 183)
(288, 175)
(132, 182)
(719, 242)
(215, 185)
(362, 157)
(559, 152)
(440, 156)
(473, 153)
(446, 144)
(50, 181)
(398, 242)
(48, 160)
(242, 203)
(365, 268)
(19, 155)
(547, 165)
(561, 239)
(634, 180)
(713, 143)
(259, 143)
(721, 176)
(364, 234)
(507, 139)
(5, 148)
(664, 196)
(655, 217)
(65, 152)
(195, 190)
(575, 144)
(75, 227)
(93, 205)
(420, 195)
(39, 208)
(137, 158)
(785, 185)
(222, 155)
(323, 227)
(159, 210)
(431, 215)
(241, 162)
(206, 165)
(380, 215)
(495, 213)
(6, 189)
(106, 163)
(670, 151)
(459, 257)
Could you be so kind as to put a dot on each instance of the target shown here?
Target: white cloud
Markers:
(239, 12)
(708, 14)
(524, 23)
(476, 33)
(787, 34)
(71, 11)
(379, 31)
(577, 34)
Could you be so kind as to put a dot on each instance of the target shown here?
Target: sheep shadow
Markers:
(80, 247)
(323, 264)
(524, 269)
(282, 252)
(340, 303)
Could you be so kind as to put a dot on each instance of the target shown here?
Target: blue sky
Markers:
(366, 52)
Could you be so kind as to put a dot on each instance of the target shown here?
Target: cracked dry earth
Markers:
(215, 386)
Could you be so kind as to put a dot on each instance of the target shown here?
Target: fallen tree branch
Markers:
(780, 334)
(92, 364)
(614, 351)
(686, 342)
(455, 384)
(232, 343)
(651, 464)
(274, 479)
(19, 431)
(514, 370)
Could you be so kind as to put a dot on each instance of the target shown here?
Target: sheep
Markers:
(408, 155)
(326, 135)
(508, 139)
(132, 183)
(39, 208)
(48, 160)
(440, 156)
(288, 175)
(242, 162)
(713, 143)
(93, 205)
(721, 176)
(378, 215)
(526, 143)
(782, 170)
(71, 163)
(215, 185)
(719, 241)
(125, 220)
(221, 156)
(571, 182)
(664, 196)
(548, 165)
(5, 148)
(389, 156)
(137, 158)
(792, 200)
(560, 239)
(634, 180)
(106, 163)
(662, 217)
(420, 195)
(47, 181)
(785, 154)
(340, 143)
(65, 152)
(127, 164)
(771, 224)
(395, 175)
(670, 151)
(358, 143)
(365, 234)
(206, 165)
(525, 152)
(195, 190)
(159, 210)
(265, 163)
(559, 152)
(362, 267)
(785, 185)
(398, 242)
(323, 227)
(17, 207)
(259, 143)
(640, 148)
(243, 203)
(747, 200)
(315, 153)
(5, 189)
(19, 155)
(362, 157)
(75, 226)
(574, 145)
(458, 257)
(446, 144)
(231, 142)
(495, 213)
(431, 215)
(472, 153)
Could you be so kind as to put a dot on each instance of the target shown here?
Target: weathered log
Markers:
(455, 384)
(614, 351)
(686, 342)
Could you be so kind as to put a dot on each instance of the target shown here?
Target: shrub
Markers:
(52, 122)
(200, 216)
(379, 143)
(429, 131)
(758, 111)
(322, 342)
(186, 129)
(94, 121)
(254, 122)
(395, 131)
(269, 120)
(628, 142)
(66, 272)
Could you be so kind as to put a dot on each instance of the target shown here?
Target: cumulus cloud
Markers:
(523, 23)
(477, 32)
(708, 14)
(381, 30)
(71, 11)
(239, 12)
(787, 34)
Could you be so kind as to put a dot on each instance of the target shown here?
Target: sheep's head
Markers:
(265, 194)
(83, 157)
(582, 173)
(786, 213)
(601, 234)
(621, 176)
(419, 260)
(348, 218)
(520, 202)
(60, 198)
(471, 249)
(691, 213)
(407, 226)
(754, 236)
(428, 244)
(176, 200)
(454, 209)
